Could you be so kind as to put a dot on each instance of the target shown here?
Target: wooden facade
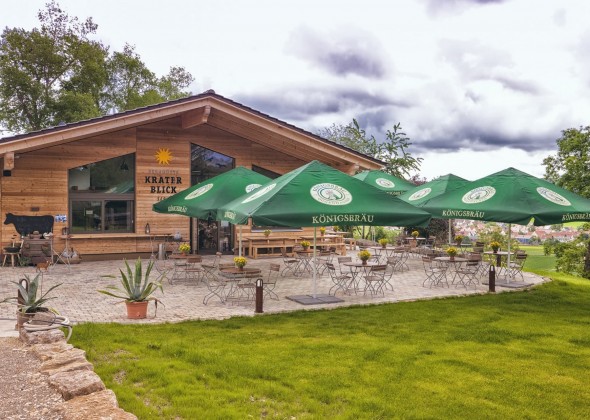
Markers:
(35, 176)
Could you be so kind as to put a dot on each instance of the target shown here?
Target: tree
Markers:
(56, 73)
(570, 167)
(394, 151)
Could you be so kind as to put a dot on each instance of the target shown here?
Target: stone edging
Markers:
(67, 370)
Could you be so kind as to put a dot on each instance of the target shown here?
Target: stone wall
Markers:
(85, 395)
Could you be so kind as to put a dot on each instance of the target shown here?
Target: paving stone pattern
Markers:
(78, 299)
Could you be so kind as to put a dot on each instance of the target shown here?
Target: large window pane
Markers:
(111, 176)
(118, 216)
(102, 196)
(206, 163)
(86, 216)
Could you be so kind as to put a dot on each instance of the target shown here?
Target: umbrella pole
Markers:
(508, 257)
(450, 224)
(313, 264)
(240, 241)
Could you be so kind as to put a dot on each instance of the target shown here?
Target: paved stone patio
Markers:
(78, 299)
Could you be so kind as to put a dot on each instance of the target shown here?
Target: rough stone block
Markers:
(62, 359)
(48, 351)
(41, 337)
(98, 405)
(76, 383)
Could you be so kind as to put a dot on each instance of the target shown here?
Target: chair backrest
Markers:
(344, 260)
(194, 259)
(225, 265)
(378, 268)
(273, 272)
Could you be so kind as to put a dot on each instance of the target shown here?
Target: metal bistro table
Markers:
(237, 289)
(356, 268)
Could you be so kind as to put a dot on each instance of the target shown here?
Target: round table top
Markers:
(236, 270)
(448, 259)
(360, 264)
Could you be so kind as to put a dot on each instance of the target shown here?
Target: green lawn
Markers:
(509, 355)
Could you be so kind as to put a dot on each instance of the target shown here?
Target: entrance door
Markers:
(212, 236)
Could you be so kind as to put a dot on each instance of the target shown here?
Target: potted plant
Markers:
(383, 242)
(458, 239)
(184, 248)
(240, 262)
(322, 231)
(414, 240)
(452, 251)
(495, 245)
(267, 232)
(136, 289)
(364, 256)
(305, 245)
(28, 304)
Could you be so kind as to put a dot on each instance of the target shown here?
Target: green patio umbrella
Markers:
(420, 194)
(202, 200)
(318, 195)
(510, 196)
(385, 182)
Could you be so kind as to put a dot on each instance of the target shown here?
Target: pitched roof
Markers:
(183, 105)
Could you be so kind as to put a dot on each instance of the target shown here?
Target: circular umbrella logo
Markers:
(553, 196)
(252, 187)
(198, 192)
(330, 194)
(479, 195)
(420, 194)
(385, 183)
(259, 193)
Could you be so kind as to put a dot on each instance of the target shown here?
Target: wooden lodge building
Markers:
(99, 178)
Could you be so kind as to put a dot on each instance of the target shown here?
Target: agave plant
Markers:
(29, 302)
(136, 285)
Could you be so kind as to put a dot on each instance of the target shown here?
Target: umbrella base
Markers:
(318, 300)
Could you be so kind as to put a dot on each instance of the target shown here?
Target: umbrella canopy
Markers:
(385, 182)
(510, 196)
(203, 200)
(419, 195)
(318, 195)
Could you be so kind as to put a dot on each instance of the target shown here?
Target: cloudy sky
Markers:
(477, 85)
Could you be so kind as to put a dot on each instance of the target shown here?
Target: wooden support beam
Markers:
(196, 117)
(9, 161)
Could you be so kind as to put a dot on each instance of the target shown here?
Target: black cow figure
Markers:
(28, 224)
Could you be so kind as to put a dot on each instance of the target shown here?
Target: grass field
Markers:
(509, 355)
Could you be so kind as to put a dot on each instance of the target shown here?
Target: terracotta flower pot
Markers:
(137, 310)
(452, 258)
(364, 262)
(241, 268)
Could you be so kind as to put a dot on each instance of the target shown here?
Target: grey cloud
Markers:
(299, 103)
(483, 138)
(436, 6)
(343, 53)
(475, 61)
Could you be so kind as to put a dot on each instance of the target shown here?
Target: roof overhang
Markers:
(206, 108)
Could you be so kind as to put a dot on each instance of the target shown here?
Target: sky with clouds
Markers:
(477, 85)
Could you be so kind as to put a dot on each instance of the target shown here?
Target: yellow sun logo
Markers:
(163, 156)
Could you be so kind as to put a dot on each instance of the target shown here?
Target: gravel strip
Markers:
(25, 393)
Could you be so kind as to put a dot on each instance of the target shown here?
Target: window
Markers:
(206, 163)
(102, 196)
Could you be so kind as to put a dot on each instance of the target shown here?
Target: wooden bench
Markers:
(272, 246)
